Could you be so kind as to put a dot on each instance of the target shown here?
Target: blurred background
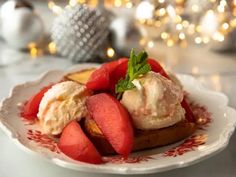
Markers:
(196, 37)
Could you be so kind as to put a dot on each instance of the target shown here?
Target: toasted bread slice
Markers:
(142, 139)
(80, 76)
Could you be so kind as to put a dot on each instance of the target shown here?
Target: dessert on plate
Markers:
(123, 106)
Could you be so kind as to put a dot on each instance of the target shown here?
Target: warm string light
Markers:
(150, 44)
(33, 50)
(36, 51)
(123, 3)
(52, 48)
(110, 52)
(234, 7)
(57, 9)
(70, 3)
(178, 30)
(54, 8)
(195, 8)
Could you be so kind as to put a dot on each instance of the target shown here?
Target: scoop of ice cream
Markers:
(61, 104)
(154, 103)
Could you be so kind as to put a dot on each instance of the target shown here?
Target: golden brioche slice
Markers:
(80, 76)
(142, 139)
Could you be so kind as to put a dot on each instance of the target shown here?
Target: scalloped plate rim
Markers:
(216, 147)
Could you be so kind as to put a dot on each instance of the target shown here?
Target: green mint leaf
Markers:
(137, 65)
(131, 63)
(143, 70)
(141, 57)
(124, 85)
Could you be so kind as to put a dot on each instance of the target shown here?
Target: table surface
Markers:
(216, 71)
(222, 164)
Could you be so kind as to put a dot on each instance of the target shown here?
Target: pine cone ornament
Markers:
(80, 32)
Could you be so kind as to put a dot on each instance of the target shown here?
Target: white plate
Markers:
(207, 140)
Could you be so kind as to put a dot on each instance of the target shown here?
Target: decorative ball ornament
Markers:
(80, 32)
(20, 25)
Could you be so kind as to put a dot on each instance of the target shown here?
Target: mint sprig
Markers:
(137, 65)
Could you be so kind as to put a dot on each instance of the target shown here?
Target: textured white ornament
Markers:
(80, 33)
(20, 25)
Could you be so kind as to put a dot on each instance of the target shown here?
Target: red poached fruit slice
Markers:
(31, 108)
(75, 144)
(188, 111)
(113, 120)
(100, 78)
(111, 66)
(117, 74)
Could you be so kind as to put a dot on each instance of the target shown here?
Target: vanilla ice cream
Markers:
(154, 103)
(62, 103)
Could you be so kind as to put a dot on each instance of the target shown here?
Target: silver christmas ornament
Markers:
(20, 24)
(80, 33)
